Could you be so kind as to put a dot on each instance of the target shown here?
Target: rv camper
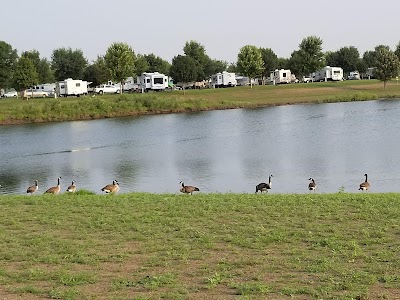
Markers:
(153, 82)
(328, 74)
(223, 79)
(72, 87)
(49, 88)
(281, 76)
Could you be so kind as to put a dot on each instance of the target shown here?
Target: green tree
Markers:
(397, 51)
(250, 62)
(310, 54)
(8, 59)
(197, 51)
(295, 64)
(25, 74)
(283, 63)
(41, 65)
(215, 66)
(347, 58)
(141, 65)
(120, 61)
(387, 65)
(68, 63)
(270, 60)
(232, 68)
(369, 58)
(97, 73)
(183, 69)
(156, 64)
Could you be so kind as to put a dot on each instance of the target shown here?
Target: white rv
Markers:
(223, 79)
(328, 74)
(153, 82)
(49, 88)
(281, 76)
(72, 87)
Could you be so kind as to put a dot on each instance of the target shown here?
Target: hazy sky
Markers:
(221, 26)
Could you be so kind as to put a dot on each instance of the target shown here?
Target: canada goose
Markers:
(111, 188)
(264, 187)
(72, 187)
(32, 188)
(312, 186)
(54, 189)
(365, 185)
(188, 189)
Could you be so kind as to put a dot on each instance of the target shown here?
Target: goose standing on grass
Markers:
(33, 188)
(55, 189)
(111, 188)
(188, 189)
(72, 187)
(264, 187)
(312, 186)
(364, 186)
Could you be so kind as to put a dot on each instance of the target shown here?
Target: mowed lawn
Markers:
(14, 111)
(205, 246)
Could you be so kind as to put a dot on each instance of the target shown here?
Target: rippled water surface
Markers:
(218, 151)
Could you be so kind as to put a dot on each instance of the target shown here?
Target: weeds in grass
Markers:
(328, 246)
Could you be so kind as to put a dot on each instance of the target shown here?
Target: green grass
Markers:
(103, 106)
(205, 246)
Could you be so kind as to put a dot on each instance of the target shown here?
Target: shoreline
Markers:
(128, 105)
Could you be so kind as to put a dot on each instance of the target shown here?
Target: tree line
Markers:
(120, 62)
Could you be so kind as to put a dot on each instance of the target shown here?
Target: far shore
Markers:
(18, 111)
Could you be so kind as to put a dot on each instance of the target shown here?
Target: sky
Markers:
(221, 26)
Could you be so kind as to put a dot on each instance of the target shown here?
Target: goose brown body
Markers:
(264, 187)
(33, 188)
(72, 187)
(111, 188)
(188, 189)
(54, 189)
(364, 186)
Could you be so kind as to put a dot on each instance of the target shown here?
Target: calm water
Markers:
(218, 151)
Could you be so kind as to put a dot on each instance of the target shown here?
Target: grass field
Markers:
(205, 246)
(14, 111)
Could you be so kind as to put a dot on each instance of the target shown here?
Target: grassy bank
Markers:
(214, 246)
(13, 111)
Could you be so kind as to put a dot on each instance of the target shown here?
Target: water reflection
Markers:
(224, 151)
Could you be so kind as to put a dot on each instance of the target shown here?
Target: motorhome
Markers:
(281, 76)
(223, 79)
(153, 82)
(328, 74)
(72, 87)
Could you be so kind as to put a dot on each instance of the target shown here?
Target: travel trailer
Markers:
(328, 74)
(281, 76)
(72, 87)
(223, 79)
(153, 82)
(49, 88)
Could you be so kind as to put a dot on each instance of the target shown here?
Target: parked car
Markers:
(35, 93)
(306, 79)
(107, 89)
(11, 94)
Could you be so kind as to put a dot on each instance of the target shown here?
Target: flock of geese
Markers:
(109, 188)
(186, 189)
